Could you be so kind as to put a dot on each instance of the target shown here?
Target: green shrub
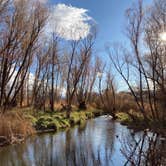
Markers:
(64, 123)
(89, 115)
(123, 117)
(32, 119)
(45, 122)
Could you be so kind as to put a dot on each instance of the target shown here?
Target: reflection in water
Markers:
(98, 142)
(144, 149)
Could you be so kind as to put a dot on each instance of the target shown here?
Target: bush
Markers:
(14, 128)
(124, 118)
(47, 122)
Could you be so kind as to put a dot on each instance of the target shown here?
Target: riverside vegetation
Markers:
(39, 71)
(17, 125)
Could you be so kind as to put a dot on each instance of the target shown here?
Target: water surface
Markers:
(100, 141)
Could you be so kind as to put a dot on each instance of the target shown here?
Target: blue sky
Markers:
(110, 18)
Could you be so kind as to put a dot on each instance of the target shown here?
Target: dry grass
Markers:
(14, 128)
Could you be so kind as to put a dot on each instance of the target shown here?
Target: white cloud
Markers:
(69, 22)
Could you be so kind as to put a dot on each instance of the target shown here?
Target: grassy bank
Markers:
(136, 122)
(16, 126)
(43, 121)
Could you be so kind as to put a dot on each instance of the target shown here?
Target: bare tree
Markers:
(19, 44)
(149, 66)
(80, 55)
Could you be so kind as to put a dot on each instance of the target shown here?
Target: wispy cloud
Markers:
(70, 23)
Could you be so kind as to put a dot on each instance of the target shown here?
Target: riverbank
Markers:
(137, 123)
(16, 126)
(57, 120)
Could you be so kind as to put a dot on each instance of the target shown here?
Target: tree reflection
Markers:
(91, 144)
(147, 149)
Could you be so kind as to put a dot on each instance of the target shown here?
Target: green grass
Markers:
(57, 120)
(138, 123)
(123, 118)
(135, 122)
